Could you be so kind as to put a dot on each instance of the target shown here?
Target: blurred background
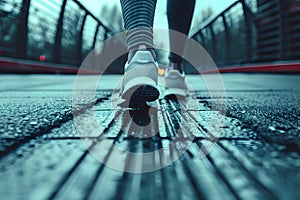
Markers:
(39, 36)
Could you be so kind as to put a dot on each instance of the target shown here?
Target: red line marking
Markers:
(264, 68)
(12, 66)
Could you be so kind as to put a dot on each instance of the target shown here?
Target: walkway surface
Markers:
(256, 155)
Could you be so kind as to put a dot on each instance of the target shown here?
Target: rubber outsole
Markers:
(139, 95)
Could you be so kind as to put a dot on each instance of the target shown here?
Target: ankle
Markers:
(175, 66)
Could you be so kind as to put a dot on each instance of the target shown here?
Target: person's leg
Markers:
(140, 72)
(138, 18)
(180, 15)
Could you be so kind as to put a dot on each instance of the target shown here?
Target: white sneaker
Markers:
(140, 79)
(175, 83)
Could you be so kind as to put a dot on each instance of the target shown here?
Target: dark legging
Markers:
(138, 18)
(180, 13)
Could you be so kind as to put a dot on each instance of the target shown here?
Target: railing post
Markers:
(95, 36)
(57, 44)
(213, 41)
(249, 48)
(22, 30)
(80, 37)
(282, 32)
(202, 38)
(227, 36)
(105, 35)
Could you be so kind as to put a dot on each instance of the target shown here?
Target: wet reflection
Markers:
(142, 121)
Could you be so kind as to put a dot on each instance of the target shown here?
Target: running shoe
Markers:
(175, 83)
(140, 80)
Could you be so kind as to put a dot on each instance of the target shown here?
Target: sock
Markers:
(176, 66)
(138, 18)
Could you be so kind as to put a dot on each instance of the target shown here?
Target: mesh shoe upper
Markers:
(140, 71)
(175, 83)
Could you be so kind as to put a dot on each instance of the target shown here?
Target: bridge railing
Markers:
(278, 30)
(64, 31)
(59, 31)
(230, 36)
(270, 32)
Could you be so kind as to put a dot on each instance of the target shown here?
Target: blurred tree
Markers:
(9, 12)
(252, 5)
(161, 55)
(2, 3)
(40, 37)
(73, 19)
(111, 16)
(202, 16)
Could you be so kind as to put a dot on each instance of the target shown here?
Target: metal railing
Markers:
(64, 31)
(59, 31)
(240, 34)
(278, 30)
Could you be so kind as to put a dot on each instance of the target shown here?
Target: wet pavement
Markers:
(255, 152)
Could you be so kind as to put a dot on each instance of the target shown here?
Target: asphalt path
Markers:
(45, 139)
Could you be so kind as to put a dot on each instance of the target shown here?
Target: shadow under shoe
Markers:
(141, 117)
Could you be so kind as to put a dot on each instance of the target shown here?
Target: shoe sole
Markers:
(139, 91)
(179, 93)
